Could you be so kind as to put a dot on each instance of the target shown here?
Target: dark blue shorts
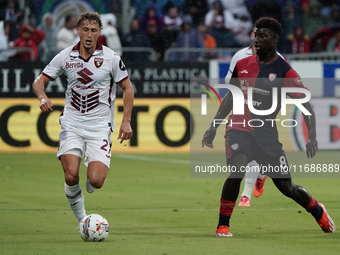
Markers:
(266, 152)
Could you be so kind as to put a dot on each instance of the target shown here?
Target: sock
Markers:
(76, 200)
(260, 176)
(226, 209)
(250, 180)
(314, 208)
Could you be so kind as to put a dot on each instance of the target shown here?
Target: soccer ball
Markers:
(94, 228)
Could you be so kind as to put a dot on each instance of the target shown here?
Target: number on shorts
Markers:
(283, 162)
(105, 145)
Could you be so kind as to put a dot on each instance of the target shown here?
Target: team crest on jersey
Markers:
(98, 62)
(272, 76)
(298, 81)
(234, 146)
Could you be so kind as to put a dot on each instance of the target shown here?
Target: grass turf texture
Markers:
(156, 208)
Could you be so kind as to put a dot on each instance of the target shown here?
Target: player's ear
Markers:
(276, 38)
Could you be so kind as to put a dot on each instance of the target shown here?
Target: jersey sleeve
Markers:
(54, 68)
(293, 80)
(234, 77)
(231, 68)
(118, 69)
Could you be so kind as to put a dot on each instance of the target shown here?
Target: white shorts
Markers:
(96, 146)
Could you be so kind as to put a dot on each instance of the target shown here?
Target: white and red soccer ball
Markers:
(94, 228)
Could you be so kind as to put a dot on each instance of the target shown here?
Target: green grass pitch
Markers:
(154, 207)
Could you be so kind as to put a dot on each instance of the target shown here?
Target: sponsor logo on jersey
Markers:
(244, 71)
(85, 76)
(244, 85)
(272, 76)
(74, 65)
(98, 62)
(234, 146)
(121, 65)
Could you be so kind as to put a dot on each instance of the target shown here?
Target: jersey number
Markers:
(104, 147)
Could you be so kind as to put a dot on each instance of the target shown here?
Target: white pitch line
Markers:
(152, 159)
(162, 210)
(161, 160)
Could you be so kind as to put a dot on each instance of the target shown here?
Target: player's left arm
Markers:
(312, 144)
(125, 131)
(292, 79)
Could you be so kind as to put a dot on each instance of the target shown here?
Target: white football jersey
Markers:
(90, 93)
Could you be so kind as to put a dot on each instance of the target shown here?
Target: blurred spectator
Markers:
(290, 20)
(172, 20)
(298, 42)
(220, 23)
(12, 13)
(304, 5)
(169, 36)
(49, 44)
(334, 14)
(164, 5)
(237, 7)
(196, 9)
(189, 37)
(150, 14)
(110, 32)
(140, 7)
(4, 30)
(208, 40)
(266, 8)
(30, 38)
(313, 20)
(67, 35)
(155, 38)
(136, 38)
(333, 44)
(244, 29)
(327, 6)
(4, 43)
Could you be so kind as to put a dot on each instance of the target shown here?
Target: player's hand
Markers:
(45, 104)
(125, 131)
(209, 137)
(311, 148)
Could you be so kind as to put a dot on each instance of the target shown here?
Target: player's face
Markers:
(88, 33)
(265, 40)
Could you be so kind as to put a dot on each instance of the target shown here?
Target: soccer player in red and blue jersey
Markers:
(263, 72)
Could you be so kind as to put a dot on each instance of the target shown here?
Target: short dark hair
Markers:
(68, 17)
(270, 23)
(90, 16)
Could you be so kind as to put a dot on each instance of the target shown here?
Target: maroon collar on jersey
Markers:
(75, 51)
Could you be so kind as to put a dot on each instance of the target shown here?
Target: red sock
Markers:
(314, 208)
(226, 209)
(311, 205)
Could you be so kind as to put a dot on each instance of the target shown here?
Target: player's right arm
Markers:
(222, 113)
(39, 90)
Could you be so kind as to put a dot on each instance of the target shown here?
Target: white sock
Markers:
(75, 199)
(250, 177)
(260, 176)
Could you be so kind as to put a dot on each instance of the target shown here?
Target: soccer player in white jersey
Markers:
(252, 176)
(87, 119)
